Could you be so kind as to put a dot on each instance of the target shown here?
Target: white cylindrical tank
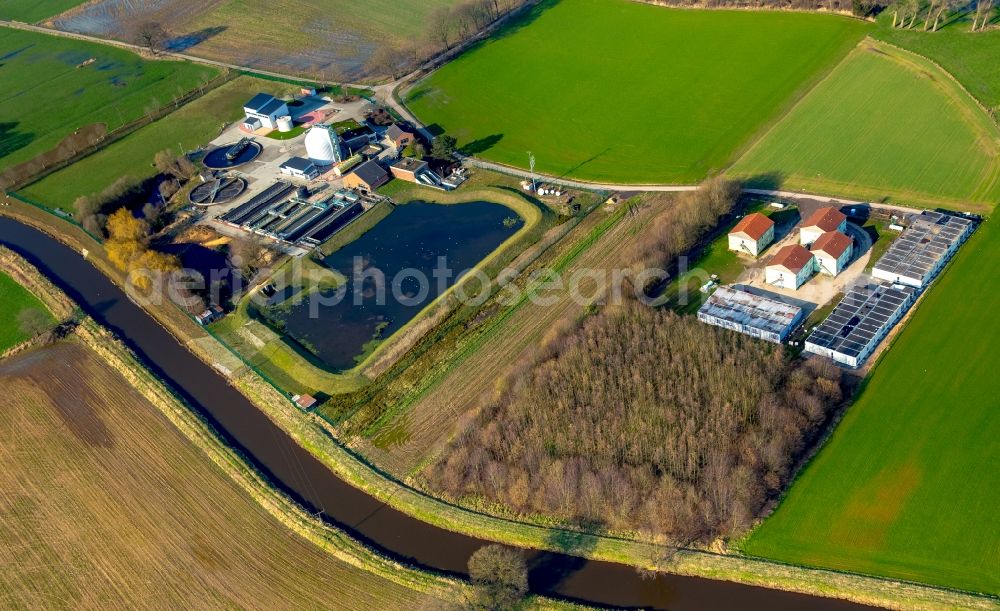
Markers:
(323, 145)
(285, 124)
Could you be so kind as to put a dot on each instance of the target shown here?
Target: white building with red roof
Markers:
(790, 268)
(822, 221)
(832, 251)
(752, 234)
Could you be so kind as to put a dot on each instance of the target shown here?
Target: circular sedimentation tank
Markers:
(218, 158)
(217, 191)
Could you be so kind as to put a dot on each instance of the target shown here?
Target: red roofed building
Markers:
(790, 268)
(820, 222)
(832, 250)
(752, 234)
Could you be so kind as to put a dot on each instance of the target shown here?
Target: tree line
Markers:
(683, 221)
(92, 211)
(906, 14)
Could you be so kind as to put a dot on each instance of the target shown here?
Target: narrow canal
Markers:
(303, 477)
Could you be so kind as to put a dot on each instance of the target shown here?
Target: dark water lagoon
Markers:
(395, 270)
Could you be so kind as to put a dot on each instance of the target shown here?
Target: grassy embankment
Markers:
(189, 128)
(31, 11)
(695, 85)
(15, 299)
(293, 370)
(119, 408)
(886, 124)
(902, 489)
(49, 93)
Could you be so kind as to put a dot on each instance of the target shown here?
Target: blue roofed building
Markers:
(263, 110)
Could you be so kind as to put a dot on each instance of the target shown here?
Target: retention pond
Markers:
(394, 270)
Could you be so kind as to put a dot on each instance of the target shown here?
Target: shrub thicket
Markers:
(643, 419)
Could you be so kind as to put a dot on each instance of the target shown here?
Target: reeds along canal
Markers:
(302, 476)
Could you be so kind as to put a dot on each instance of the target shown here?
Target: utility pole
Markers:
(531, 164)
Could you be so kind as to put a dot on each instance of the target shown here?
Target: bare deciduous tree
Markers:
(984, 12)
(440, 26)
(152, 36)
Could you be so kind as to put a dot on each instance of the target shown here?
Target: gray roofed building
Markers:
(369, 176)
(266, 109)
(860, 321)
(751, 314)
(923, 248)
(263, 103)
(298, 166)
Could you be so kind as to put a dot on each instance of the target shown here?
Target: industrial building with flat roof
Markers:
(751, 314)
(859, 322)
(923, 248)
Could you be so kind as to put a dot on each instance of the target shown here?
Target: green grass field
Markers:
(48, 94)
(14, 299)
(971, 57)
(611, 90)
(885, 123)
(908, 487)
(191, 126)
(31, 11)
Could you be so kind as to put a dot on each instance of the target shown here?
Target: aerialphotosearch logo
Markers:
(366, 285)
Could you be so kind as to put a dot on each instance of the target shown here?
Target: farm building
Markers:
(923, 248)
(368, 176)
(832, 251)
(820, 222)
(744, 312)
(860, 321)
(790, 268)
(298, 167)
(398, 137)
(752, 234)
(264, 109)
